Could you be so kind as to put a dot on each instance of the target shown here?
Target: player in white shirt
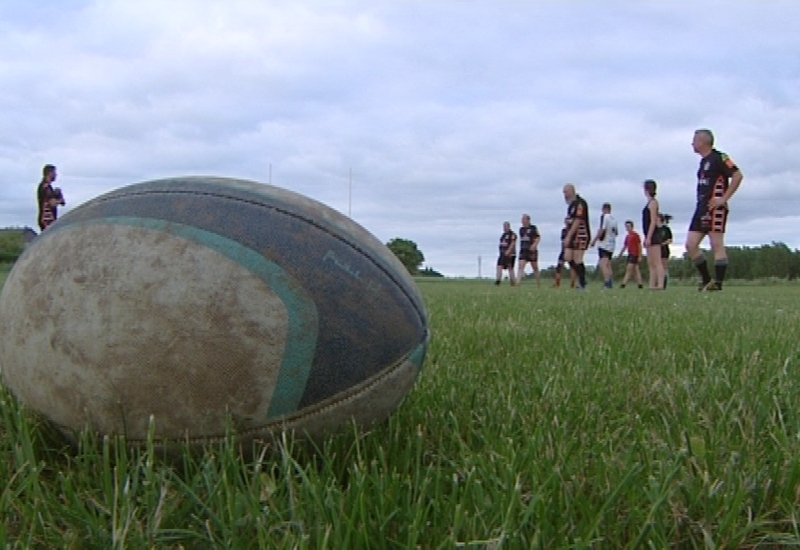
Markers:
(606, 241)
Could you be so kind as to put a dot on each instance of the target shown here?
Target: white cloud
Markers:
(453, 116)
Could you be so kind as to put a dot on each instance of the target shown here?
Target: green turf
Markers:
(542, 419)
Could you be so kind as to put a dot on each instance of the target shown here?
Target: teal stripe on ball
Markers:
(303, 322)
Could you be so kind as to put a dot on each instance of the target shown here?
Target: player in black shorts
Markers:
(652, 236)
(578, 234)
(718, 178)
(666, 240)
(508, 254)
(528, 249)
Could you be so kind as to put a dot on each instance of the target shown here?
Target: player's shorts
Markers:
(633, 260)
(656, 240)
(664, 251)
(529, 255)
(704, 221)
(506, 262)
(579, 242)
(605, 253)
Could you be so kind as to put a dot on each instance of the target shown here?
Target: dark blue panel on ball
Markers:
(368, 319)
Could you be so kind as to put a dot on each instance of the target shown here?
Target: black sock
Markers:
(720, 266)
(666, 278)
(702, 267)
(581, 267)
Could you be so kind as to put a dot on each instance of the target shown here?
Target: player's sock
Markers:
(702, 266)
(720, 266)
(666, 278)
(581, 270)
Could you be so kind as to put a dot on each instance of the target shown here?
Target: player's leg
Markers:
(638, 272)
(605, 268)
(499, 270)
(720, 258)
(511, 261)
(521, 271)
(656, 267)
(559, 268)
(535, 264)
(719, 219)
(628, 272)
(694, 237)
(580, 267)
(569, 259)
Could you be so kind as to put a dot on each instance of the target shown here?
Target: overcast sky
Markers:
(453, 116)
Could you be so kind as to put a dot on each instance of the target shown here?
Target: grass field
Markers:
(543, 419)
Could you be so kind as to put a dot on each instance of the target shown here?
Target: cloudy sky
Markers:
(453, 116)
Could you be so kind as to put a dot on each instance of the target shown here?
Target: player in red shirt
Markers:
(633, 244)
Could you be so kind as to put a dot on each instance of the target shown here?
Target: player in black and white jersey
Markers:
(528, 249)
(578, 233)
(718, 178)
(606, 241)
(508, 254)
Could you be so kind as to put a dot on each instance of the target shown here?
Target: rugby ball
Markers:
(202, 304)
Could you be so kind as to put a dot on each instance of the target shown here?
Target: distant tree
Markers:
(12, 243)
(408, 254)
(428, 272)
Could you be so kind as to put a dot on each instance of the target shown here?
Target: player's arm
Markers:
(730, 170)
(573, 228)
(736, 181)
(601, 235)
(624, 247)
(535, 239)
(512, 245)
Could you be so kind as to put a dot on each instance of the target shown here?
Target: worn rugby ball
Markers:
(202, 304)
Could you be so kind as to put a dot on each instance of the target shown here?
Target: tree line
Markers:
(775, 260)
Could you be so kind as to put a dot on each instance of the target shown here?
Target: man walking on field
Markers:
(633, 244)
(718, 178)
(578, 235)
(606, 240)
(528, 249)
(508, 254)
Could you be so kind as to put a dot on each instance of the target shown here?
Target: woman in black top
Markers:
(652, 239)
(666, 240)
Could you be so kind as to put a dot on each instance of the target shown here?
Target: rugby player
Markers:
(652, 236)
(528, 249)
(633, 244)
(607, 239)
(718, 178)
(666, 240)
(508, 254)
(48, 198)
(578, 235)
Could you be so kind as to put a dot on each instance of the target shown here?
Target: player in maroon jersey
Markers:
(718, 178)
